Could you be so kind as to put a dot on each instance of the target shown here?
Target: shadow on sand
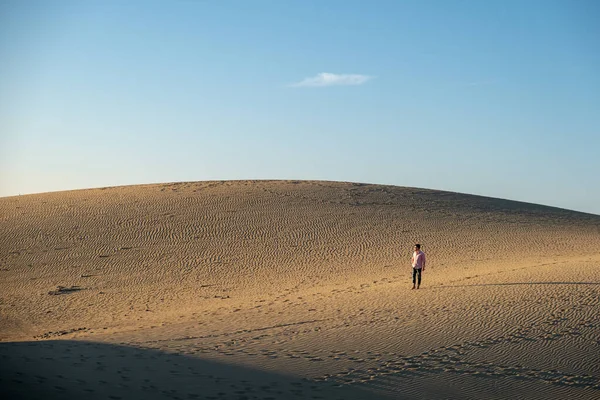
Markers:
(518, 284)
(85, 370)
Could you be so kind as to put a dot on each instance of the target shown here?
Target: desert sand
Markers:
(295, 290)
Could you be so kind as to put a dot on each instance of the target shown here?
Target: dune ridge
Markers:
(311, 278)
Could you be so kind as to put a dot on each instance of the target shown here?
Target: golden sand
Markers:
(295, 289)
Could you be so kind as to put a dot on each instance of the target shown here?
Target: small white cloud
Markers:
(327, 79)
(481, 83)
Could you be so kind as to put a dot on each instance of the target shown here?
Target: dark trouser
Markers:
(417, 273)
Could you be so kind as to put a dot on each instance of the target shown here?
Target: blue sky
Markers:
(498, 98)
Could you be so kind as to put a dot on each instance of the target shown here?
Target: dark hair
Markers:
(418, 246)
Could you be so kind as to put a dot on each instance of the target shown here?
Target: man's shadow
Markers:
(517, 284)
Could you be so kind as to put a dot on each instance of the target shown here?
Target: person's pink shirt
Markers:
(418, 260)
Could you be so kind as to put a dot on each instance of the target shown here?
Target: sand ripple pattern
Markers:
(310, 279)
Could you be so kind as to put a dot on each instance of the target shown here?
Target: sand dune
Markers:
(295, 289)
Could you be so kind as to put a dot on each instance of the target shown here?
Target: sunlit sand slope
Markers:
(310, 280)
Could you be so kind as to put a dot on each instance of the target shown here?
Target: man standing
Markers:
(418, 264)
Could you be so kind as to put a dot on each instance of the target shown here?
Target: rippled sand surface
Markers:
(295, 289)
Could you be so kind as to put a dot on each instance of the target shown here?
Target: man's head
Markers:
(417, 247)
